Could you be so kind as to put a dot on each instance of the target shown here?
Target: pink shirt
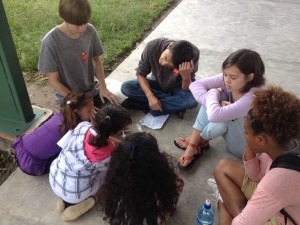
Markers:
(95, 154)
(206, 93)
(278, 188)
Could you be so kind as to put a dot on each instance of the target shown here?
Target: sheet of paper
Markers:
(65, 139)
(154, 122)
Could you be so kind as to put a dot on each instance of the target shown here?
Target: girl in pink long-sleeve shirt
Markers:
(271, 129)
(222, 111)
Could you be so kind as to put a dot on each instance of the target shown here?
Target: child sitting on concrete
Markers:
(77, 175)
(254, 194)
(36, 150)
(172, 65)
(141, 185)
(70, 55)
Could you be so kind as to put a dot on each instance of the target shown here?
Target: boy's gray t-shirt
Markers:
(164, 76)
(72, 58)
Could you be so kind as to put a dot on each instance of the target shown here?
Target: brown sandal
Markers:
(192, 158)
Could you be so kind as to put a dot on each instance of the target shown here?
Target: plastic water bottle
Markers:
(205, 214)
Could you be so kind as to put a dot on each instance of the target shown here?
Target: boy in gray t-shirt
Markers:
(70, 55)
(172, 65)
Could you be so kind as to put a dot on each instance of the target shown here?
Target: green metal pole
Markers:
(16, 113)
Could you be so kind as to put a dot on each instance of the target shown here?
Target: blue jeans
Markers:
(232, 131)
(176, 101)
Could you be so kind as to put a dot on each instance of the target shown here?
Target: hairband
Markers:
(69, 102)
(107, 117)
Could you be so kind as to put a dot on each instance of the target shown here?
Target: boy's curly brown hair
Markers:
(276, 113)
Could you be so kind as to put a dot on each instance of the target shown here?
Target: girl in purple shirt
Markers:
(225, 100)
(36, 150)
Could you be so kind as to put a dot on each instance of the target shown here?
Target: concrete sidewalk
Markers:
(218, 28)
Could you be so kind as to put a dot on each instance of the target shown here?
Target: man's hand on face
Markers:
(186, 68)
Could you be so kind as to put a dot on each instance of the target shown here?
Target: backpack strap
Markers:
(287, 216)
(288, 160)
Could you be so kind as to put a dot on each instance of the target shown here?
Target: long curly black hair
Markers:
(139, 177)
(277, 113)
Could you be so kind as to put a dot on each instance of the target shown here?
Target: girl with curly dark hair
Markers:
(141, 185)
(254, 194)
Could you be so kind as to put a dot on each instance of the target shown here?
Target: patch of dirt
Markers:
(8, 165)
(40, 93)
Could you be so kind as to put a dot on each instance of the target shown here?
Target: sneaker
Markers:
(215, 190)
(130, 103)
(60, 205)
(75, 211)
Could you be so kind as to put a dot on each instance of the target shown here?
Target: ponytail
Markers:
(74, 100)
(109, 120)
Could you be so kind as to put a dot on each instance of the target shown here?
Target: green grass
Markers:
(120, 24)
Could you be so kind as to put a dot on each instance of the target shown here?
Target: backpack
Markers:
(288, 160)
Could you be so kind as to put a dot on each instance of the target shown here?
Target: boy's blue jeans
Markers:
(232, 131)
(176, 101)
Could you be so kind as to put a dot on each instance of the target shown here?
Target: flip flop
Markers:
(192, 158)
(206, 147)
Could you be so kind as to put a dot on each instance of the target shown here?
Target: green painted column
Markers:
(16, 113)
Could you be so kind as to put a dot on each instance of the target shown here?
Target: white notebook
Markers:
(153, 122)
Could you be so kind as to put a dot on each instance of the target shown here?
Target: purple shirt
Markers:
(35, 149)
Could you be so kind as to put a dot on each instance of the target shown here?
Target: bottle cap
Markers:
(207, 204)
